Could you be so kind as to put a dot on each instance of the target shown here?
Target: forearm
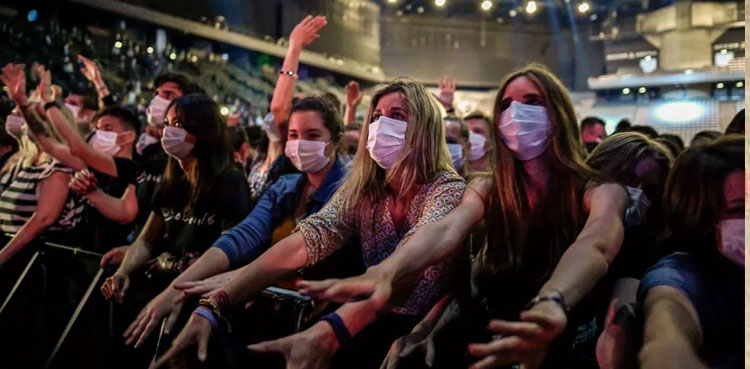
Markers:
(66, 130)
(111, 207)
(577, 272)
(102, 92)
(61, 152)
(350, 115)
(33, 120)
(281, 104)
(280, 261)
(136, 257)
(212, 262)
(671, 354)
(33, 228)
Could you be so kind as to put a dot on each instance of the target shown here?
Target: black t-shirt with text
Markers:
(188, 230)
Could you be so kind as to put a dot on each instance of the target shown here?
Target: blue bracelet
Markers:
(208, 315)
(339, 329)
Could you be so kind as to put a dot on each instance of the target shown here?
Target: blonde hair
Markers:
(423, 156)
(510, 219)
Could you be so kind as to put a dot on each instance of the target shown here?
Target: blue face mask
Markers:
(457, 155)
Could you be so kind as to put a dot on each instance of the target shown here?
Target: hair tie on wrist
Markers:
(339, 329)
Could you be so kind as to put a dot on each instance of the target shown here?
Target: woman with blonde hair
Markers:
(553, 229)
(401, 179)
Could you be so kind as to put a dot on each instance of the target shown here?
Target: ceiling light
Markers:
(583, 7)
(486, 5)
(531, 7)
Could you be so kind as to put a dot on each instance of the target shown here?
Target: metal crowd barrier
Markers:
(81, 303)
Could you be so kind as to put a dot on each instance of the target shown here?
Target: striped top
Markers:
(19, 196)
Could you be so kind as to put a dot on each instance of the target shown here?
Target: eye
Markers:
(375, 117)
(535, 101)
(398, 116)
(504, 105)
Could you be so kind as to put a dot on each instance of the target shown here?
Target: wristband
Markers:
(339, 329)
(549, 295)
(51, 104)
(202, 311)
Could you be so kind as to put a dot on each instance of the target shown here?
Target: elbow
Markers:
(45, 220)
(279, 111)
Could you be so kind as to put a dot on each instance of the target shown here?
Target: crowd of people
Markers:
(414, 238)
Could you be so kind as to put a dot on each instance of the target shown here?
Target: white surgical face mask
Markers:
(14, 125)
(525, 130)
(174, 144)
(477, 142)
(732, 232)
(635, 213)
(307, 156)
(457, 155)
(105, 142)
(145, 140)
(157, 110)
(272, 131)
(386, 139)
(74, 109)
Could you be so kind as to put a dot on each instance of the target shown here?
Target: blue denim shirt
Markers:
(247, 240)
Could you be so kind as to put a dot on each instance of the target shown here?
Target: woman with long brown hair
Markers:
(401, 179)
(553, 229)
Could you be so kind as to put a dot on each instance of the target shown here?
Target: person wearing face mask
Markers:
(315, 130)
(34, 185)
(553, 227)
(641, 165)
(592, 132)
(106, 161)
(692, 299)
(83, 107)
(401, 180)
(457, 139)
(204, 193)
(481, 141)
(273, 163)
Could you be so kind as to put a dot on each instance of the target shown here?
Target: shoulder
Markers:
(287, 182)
(678, 270)
(446, 179)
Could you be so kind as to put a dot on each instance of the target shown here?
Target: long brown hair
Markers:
(510, 219)
(424, 155)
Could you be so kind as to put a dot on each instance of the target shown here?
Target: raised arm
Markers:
(353, 98)
(66, 129)
(122, 210)
(91, 71)
(672, 333)
(302, 35)
(52, 193)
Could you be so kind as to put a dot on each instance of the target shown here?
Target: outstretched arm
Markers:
(429, 245)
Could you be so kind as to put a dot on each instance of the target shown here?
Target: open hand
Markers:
(353, 95)
(208, 286)
(44, 89)
(197, 330)
(306, 31)
(525, 342)
(374, 285)
(90, 70)
(151, 316)
(309, 349)
(14, 78)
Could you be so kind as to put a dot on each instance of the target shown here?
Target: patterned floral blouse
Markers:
(329, 229)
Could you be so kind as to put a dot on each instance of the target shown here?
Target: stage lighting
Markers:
(173, 56)
(641, 90)
(194, 58)
(739, 84)
(118, 44)
(531, 7)
(486, 5)
(440, 3)
(720, 85)
(224, 111)
(583, 7)
(512, 13)
(625, 91)
(420, 10)
(32, 15)
(150, 50)
(392, 1)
